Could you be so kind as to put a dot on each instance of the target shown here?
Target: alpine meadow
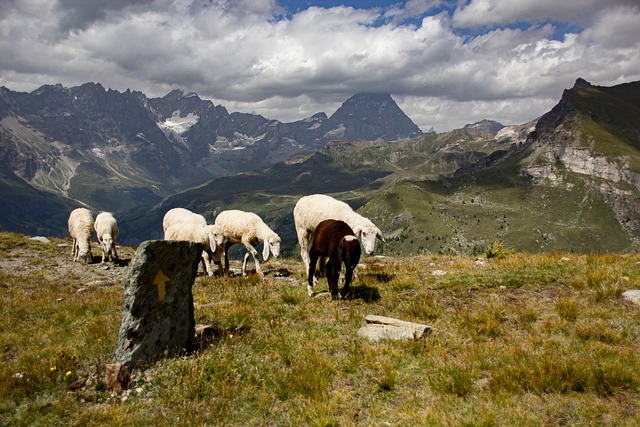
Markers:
(517, 245)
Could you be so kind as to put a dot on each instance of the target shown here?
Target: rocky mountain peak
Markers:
(484, 127)
(581, 83)
(374, 116)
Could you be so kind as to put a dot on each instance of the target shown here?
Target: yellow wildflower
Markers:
(53, 368)
(68, 374)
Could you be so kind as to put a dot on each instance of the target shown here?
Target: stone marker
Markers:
(380, 327)
(632, 295)
(157, 320)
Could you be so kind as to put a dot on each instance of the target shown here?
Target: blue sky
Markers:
(445, 62)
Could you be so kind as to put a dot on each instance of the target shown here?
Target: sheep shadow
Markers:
(366, 293)
(120, 262)
(207, 336)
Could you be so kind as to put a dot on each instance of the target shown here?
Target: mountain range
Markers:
(565, 181)
(114, 151)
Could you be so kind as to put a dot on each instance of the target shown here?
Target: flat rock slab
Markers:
(381, 327)
(632, 295)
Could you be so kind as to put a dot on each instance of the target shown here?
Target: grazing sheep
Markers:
(81, 230)
(311, 210)
(209, 235)
(335, 240)
(106, 228)
(249, 229)
(182, 224)
(181, 215)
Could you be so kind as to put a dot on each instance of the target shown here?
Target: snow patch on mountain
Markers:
(178, 125)
(337, 132)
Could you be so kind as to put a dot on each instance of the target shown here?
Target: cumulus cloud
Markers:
(446, 63)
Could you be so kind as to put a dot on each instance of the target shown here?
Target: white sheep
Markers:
(311, 210)
(81, 230)
(182, 224)
(107, 231)
(181, 215)
(249, 229)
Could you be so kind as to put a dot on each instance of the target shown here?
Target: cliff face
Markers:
(576, 139)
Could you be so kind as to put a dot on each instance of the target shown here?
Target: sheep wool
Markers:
(81, 229)
(250, 230)
(177, 215)
(107, 231)
(309, 211)
(191, 228)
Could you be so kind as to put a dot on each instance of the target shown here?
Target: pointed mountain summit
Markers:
(374, 116)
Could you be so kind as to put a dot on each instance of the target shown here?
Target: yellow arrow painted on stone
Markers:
(160, 281)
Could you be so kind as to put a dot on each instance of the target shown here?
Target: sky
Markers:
(446, 63)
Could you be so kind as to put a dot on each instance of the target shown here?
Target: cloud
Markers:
(478, 13)
(446, 65)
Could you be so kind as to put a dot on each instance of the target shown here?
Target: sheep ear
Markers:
(212, 242)
(265, 250)
(358, 232)
(380, 237)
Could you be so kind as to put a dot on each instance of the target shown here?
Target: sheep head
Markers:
(106, 243)
(85, 254)
(215, 236)
(367, 236)
(271, 244)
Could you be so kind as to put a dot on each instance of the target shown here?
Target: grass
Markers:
(522, 340)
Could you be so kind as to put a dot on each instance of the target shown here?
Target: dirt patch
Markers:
(54, 258)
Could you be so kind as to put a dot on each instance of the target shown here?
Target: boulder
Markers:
(157, 319)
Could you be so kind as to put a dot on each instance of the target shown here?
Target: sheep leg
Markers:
(312, 270)
(304, 238)
(75, 250)
(348, 277)
(244, 263)
(217, 260)
(114, 253)
(254, 253)
(322, 267)
(226, 258)
(207, 263)
(332, 277)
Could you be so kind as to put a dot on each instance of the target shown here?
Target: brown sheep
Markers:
(336, 241)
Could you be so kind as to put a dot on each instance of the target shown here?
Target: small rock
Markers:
(40, 239)
(282, 272)
(117, 377)
(438, 272)
(78, 384)
(632, 295)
